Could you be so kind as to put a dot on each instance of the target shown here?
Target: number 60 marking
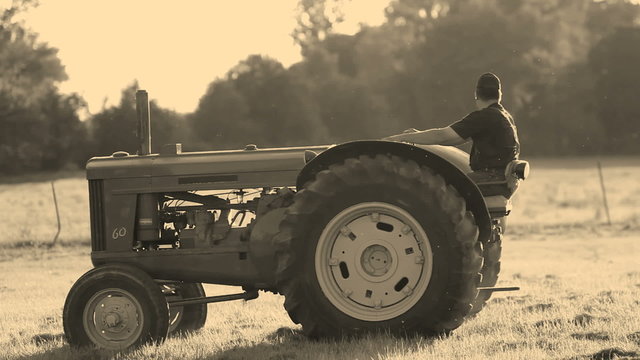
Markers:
(118, 233)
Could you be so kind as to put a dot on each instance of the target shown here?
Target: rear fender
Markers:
(450, 162)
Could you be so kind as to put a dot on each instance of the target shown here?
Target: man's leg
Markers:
(491, 182)
(484, 176)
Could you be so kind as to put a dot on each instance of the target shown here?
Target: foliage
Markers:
(419, 68)
(315, 21)
(568, 69)
(41, 128)
(614, 63)
(258, 102)
(114, 128)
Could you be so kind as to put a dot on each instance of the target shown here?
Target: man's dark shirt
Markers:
(494, 135)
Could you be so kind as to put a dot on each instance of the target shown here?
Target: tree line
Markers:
(568, 67)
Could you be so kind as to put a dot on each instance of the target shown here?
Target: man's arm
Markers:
(441, 136)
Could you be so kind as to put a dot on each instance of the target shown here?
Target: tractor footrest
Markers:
(498, 206)
(494, 289)
(248, 295)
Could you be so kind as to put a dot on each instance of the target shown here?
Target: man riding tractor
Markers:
(491, 128)
(493, 161)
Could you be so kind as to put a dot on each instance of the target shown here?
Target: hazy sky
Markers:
(173, 48)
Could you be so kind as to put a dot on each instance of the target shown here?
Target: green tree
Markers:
(221, 119)
(315, 20)
(40, 126)
(258, 102)
(114, 128)
(614, 63)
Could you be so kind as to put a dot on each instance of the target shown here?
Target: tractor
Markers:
(359, 237)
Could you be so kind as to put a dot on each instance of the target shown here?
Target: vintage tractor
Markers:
(358, 237)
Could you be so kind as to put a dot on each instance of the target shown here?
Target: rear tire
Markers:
(336, 282)
(492, 251)
(115, 307)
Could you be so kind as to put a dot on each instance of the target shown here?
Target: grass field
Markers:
(580, 281)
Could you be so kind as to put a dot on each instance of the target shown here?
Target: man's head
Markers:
(488, 90)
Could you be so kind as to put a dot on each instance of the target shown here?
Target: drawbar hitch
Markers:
(248, 295)
(496, 289)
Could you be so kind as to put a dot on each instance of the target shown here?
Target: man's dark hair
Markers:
(488, 87)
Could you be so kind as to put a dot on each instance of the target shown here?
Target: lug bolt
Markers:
(378, 304)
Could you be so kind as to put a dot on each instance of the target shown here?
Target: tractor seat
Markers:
(514, 172)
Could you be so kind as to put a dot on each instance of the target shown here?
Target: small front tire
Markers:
(189, 317)
(115, 307)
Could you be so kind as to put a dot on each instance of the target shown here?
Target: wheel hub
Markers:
(112, 318)
(378, 258)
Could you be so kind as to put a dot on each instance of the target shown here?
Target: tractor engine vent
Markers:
(96, 205)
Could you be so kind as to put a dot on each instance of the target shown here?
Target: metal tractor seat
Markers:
(497, 193)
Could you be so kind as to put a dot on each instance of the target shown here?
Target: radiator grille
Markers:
(96, 204)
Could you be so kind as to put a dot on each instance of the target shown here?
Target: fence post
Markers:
(604, 193)
(55, 202)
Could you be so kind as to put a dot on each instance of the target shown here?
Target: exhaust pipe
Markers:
(147, 222)
(144, 122)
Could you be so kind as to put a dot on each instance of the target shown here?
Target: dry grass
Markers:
(580, 283)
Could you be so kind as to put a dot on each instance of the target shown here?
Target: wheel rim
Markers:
(113, 319)
(175, 312)
(373, 261)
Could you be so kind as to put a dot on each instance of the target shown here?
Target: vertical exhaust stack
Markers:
(144, 122)
(147, 222)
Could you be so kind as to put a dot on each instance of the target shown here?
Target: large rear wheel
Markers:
(491, 252)
(378, 243)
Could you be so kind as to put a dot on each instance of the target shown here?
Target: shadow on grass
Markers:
(287, 343)
(38, 250)
(43, 176)
(284, 343)
(34, 244)
(65, 351)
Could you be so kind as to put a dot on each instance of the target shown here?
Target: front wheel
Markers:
(186, 318)
(115, 307)
(378, 243)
